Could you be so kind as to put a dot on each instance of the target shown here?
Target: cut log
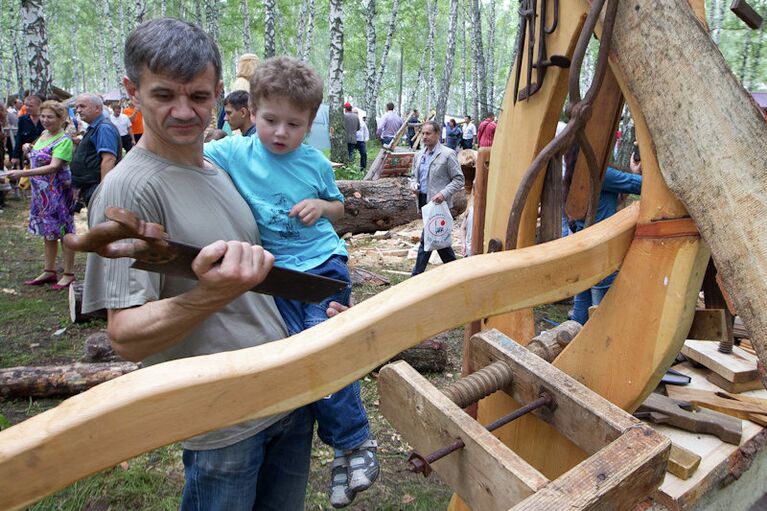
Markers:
(430, 356)
(76, 304)
(50, 381)
(371, 206)
(363, 276)
(98, 348)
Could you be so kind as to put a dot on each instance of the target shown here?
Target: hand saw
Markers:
(154, 251)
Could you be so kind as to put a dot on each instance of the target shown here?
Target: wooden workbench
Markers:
(729, 477)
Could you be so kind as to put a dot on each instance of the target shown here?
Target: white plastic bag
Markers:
(437, 226)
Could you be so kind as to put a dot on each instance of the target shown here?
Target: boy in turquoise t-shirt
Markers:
(291, 190)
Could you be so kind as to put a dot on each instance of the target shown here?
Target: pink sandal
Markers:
(59, 287)
(53, 277)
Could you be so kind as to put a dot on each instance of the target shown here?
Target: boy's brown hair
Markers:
(289, 78)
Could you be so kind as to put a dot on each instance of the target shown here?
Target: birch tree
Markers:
(756, 59)
(305, 42)
(717, 19)
(338, 151)
(211, 18)
(431, 16)
(478, 55)
(447, 71)
(490, 58)
(246, 39)
(374, 74)
(464, 98)
(269, 47)
(37, 45)
(140, 11)
(115, 55)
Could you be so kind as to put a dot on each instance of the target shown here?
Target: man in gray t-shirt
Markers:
(174, 75)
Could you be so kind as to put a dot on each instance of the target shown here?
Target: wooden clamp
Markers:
(628, 459)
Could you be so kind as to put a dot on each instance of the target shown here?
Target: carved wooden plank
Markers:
(580, 415)
(729, 133)
(709, 399)
(682, 462)
(485, 473)
(600, 132)
(617, 479)
(737, 367)
(708, 324)
(175, 400)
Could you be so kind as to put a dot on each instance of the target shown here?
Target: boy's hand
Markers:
(308, 210)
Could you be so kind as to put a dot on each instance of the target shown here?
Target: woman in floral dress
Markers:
(52, 193)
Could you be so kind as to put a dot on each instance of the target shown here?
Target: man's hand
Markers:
(438, 199)
(308, 211)
(13, 174)
(228, 269)
(15, 163)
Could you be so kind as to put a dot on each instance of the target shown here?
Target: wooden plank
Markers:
(708, 399)
(551, 202)
(708, 324)
(485, 473)
(737, 367)
(734, 387)
(179, 399)
(701, 421)
(600, 132)
(682, 462)
(618, 478)
(721, 462)
(588, 420)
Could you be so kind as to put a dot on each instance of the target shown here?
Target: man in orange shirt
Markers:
(136, 119)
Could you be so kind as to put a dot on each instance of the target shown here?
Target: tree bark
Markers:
(447, 71)
(57, 381)
(379, 205)
(338, 152)
(36, 34)
(246, 37)
(713, 158)
(490, 58)
(115, 60)
(306, 42)
(430, 356)
(269, 46)
(431, 15)
(211, 18)
(479, 60)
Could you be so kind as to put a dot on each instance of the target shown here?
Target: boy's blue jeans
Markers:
(589, 297)
(267, 471)
(341, 419)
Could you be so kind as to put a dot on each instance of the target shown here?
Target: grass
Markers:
(30, 335)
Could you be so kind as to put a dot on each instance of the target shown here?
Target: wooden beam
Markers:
(179, 399)
(485, 473)
(709, 325)
(737, 367)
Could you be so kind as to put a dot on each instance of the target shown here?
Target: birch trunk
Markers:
(374, 73)
(269, 47)
(140, 11)
(756, 59)
(211, 18)
(198, 13)
(163, 8)
(246, 38)
(490, 58)
(338, 152)
(717, 19)
(479, 59)
(36, 34)
(305, 45)
(744, 59)
(712, 158)
(110, 32)
(447, 71)
(431, 16)
(464, 98)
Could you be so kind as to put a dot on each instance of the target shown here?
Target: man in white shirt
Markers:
(469, 133)
(123, 125)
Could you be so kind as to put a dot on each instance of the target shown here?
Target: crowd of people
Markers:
(250, 181)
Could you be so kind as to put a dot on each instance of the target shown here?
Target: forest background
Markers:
(451, 56)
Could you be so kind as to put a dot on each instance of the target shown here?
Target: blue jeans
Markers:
(386, 140)
(342, 422)
(350, 148)
(589, 297)
(362, 148)
(267, 471)
(446, 254)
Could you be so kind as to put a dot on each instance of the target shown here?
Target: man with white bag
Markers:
(436, 177)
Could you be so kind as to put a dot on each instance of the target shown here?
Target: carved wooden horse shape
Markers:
(694, 122)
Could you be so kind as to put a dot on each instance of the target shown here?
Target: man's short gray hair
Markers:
(170, 47)
(93, 99)
(434, 125)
